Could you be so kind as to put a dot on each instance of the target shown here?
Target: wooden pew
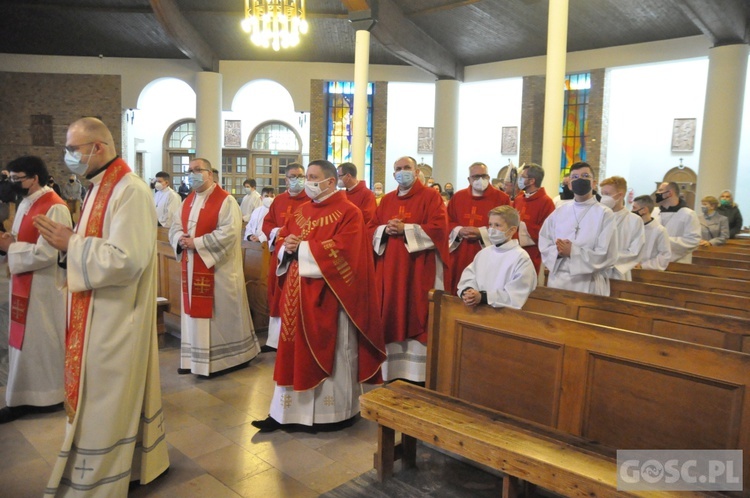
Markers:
(500, 374)
(699, 327)
(724, 263)
(170, 278)
(687, 281)
(709, 271)
(255, 267)
(740, 256)
(721, 304)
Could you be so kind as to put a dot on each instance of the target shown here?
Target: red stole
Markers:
(468, 210)
(403, 279)
(338, 242)
(200, 303)
(80, 302)
(21, 282)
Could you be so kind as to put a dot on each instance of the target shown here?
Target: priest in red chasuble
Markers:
(533, 205)
(331, 335)
(357, 191)
(216, 328)
(468, 219)
(282, 208)
(411, 246)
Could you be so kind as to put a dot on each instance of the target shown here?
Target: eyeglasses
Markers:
(17, 179)
(73, 148)
(479, 177)
(585, 176)
(198, 170)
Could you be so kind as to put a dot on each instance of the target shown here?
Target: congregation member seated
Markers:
(728, 208)
(501, 274)
(714, 227)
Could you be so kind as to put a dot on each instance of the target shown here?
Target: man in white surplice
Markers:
(37, 314)
(630, 235)
(681, 222)
(216, 327)
(115, 426)
(578, 241)
(251, 201)
(166, 199)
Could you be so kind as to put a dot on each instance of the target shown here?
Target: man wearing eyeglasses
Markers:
(37, 312)
(468, 219)
(578, 241)
(216, 328)
(115, 425)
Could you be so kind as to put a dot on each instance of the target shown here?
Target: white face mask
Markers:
(296, 185)
(159, 186)
(378, 191)
(405, 178)
(521, 182)
(497, 237)
(195, 180)
(74, 164)
(313, 190)
(480, 185)
(247, 190)
(340, 184)
(608, 201)
(267, 202)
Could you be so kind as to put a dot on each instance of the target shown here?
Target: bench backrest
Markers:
(687, 281)
(710, 271)
(711, 302)
(623, 389)
(724, 263)
(724, 252)
(719, 331)
(256, 260)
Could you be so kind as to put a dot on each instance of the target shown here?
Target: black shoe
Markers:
(268, 425)
(11, 413)
(183, 371)
(47, 409)
(335, 426)
(267, 349)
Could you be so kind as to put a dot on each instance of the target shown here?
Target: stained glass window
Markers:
(339, 125)
(575, 120)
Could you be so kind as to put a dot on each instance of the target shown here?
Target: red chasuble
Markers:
(80, 302)
(21, 282)
(468, 210)
(338, 242)
(282, 207)
(403, 280)
(364, 199)
(200, 302)
(533, 211)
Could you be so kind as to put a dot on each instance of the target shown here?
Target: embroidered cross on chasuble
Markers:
(80, 302)
(473, 217)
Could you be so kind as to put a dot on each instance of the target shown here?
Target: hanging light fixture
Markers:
(275, 23)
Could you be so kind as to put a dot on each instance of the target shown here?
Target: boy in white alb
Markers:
(656, 252)
(254, 228)
(501, 274)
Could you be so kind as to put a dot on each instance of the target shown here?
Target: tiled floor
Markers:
(215, 452)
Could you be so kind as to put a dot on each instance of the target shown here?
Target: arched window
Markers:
(179, 150)
(273, 145)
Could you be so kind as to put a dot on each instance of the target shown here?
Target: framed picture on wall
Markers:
(232, 133)
(683, 135)
(425, 140)
(509, 145)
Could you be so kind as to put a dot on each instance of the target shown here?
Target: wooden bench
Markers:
(731, 252)
(688, 281)
(255, 267)
(722, 262)
(710, 271)
(711, 302)
(500, 374)
(721, 331)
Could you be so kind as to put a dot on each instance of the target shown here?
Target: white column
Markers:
(554, 92)
(446, 131)
(359, 125)
(722, 120)
(208, 118)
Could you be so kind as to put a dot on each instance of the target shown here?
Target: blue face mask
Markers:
(405, 178)
(74, 164)
(296, 185)
(195, 180)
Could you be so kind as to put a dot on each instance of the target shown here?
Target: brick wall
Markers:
(65, 97)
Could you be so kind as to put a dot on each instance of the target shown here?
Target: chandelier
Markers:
(275, 23)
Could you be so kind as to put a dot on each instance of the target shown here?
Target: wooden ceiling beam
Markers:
(723, 21)
(184, 35)
(404, 39)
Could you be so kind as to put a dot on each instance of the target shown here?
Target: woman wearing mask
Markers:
(728, 208)
(714, 227)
